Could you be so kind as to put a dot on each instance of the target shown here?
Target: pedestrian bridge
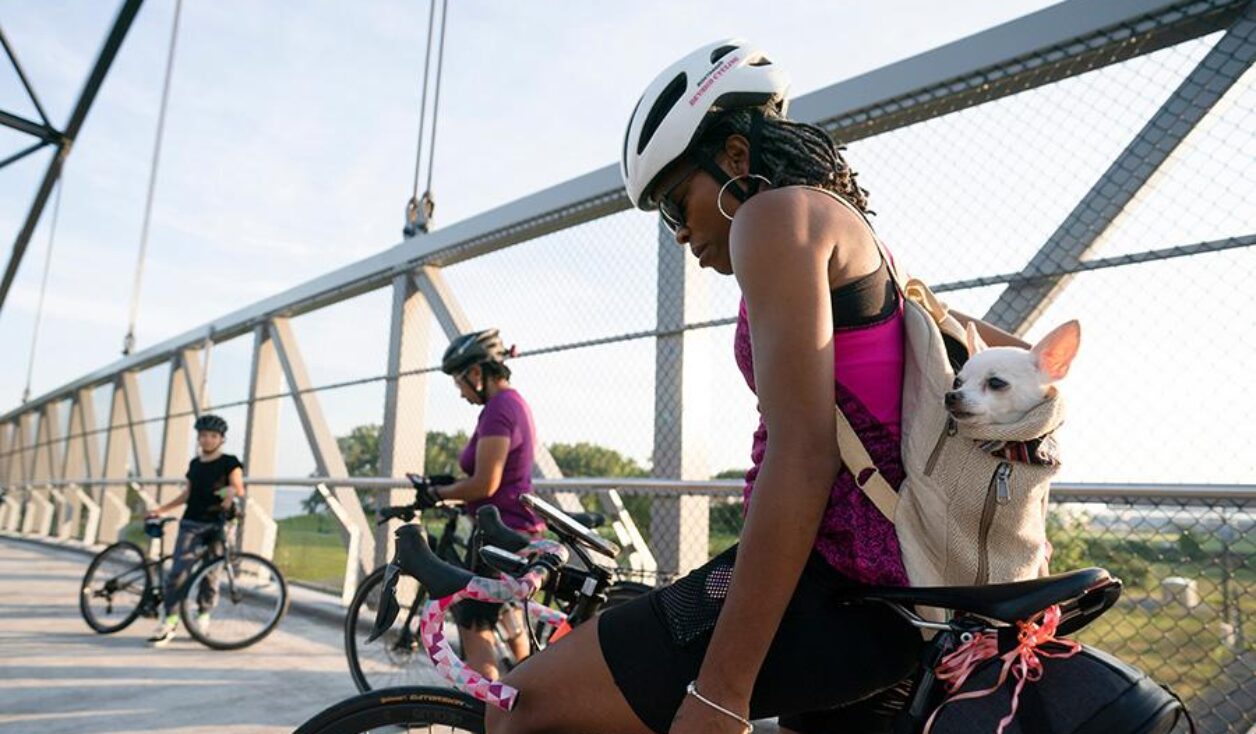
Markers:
(1086, 159)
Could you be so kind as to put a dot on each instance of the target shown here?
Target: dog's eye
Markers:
(957, 384)
(995, 383)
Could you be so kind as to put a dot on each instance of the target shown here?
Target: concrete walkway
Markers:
(56, 675)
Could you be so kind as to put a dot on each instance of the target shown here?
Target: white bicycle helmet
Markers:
(723, 75)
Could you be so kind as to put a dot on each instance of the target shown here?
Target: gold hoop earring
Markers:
(719, 198)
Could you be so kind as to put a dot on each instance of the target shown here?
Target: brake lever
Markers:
(388, 606)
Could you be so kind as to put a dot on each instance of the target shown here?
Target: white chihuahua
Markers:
(1000, 385)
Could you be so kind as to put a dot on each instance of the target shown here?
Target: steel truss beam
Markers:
(64, 139)
(1022, 54)
(1019, 305)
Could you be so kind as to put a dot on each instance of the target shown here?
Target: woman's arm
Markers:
(490, 464)
(235, 487)
(162, 509)
(990, 334)
(783, 277)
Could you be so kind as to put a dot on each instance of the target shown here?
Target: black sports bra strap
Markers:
(885, 255)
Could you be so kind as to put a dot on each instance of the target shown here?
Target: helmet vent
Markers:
(761, 61)
(721, 52)
(634, 114)
(664, 104)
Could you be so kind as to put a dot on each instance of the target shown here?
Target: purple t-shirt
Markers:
(506, 414)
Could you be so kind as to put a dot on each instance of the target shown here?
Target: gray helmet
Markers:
(211, 422)
(473, 348)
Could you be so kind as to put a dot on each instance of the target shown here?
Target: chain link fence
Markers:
(1109, 179)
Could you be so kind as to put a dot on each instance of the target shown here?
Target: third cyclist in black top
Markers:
(214, 480)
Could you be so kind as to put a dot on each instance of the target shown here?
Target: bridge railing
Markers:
(1186, 554)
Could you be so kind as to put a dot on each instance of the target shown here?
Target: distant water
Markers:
(288, 501)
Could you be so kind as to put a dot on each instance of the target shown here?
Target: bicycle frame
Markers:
(156, 569)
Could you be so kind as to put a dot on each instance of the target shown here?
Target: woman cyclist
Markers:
(214, 480)
(498, 464)
(772, 202)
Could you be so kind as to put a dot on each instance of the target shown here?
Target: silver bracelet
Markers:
(692, 690)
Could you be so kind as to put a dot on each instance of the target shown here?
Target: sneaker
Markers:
(202, 622)
(165, 633)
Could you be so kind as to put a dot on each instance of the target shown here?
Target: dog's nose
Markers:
(952, 398)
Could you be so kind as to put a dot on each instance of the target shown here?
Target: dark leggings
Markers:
(831, 666)
(193, 544)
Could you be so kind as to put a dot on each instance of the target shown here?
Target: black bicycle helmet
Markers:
(473, 348)
(211, 422)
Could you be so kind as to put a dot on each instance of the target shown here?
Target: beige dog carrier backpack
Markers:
(972, 509)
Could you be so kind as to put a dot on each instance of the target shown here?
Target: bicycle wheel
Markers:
(397, 658)
(433, 710)
(114, 588)
(230, 606)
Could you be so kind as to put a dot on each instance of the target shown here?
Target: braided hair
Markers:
(790, 153)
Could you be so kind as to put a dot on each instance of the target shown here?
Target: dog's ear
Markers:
(975, 342)
(1055, 352)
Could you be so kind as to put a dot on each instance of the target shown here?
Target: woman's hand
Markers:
(695, 717)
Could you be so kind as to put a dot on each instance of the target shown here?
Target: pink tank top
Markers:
(854, 537)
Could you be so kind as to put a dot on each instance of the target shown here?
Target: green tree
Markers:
(441, 456)
(1189, 546)
(590, 460)
(731, 474)
(360, 449)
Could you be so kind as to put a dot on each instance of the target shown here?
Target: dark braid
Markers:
(790, 153)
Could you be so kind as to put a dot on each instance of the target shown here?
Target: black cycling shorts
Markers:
(833, 666)
(476, 615)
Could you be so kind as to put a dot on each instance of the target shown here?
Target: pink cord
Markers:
(1022, 661)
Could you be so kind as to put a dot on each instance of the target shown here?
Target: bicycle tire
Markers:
(277, 586)
(87, 592)
(390, 708)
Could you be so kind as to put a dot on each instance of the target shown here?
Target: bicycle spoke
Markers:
(114, 588)
(234, 604)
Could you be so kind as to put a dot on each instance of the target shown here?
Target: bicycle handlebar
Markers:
(447, 585)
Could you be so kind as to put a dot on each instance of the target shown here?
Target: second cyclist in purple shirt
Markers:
(498, 464)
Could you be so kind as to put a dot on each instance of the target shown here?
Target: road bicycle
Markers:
(983, 621)
(230, 600)
(397, 657)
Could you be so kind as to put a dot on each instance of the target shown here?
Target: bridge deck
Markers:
(56, 675)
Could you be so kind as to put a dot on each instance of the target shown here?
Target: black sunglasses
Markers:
(673, 214)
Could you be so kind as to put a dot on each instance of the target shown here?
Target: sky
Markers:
(289, 151)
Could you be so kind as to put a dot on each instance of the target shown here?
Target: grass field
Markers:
(309, 549)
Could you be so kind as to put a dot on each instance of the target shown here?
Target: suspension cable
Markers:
(420, 208)
(128, 343)
(43, 286)
(440, 65)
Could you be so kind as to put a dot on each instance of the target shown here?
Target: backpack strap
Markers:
(854, 454)
(867, 476)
